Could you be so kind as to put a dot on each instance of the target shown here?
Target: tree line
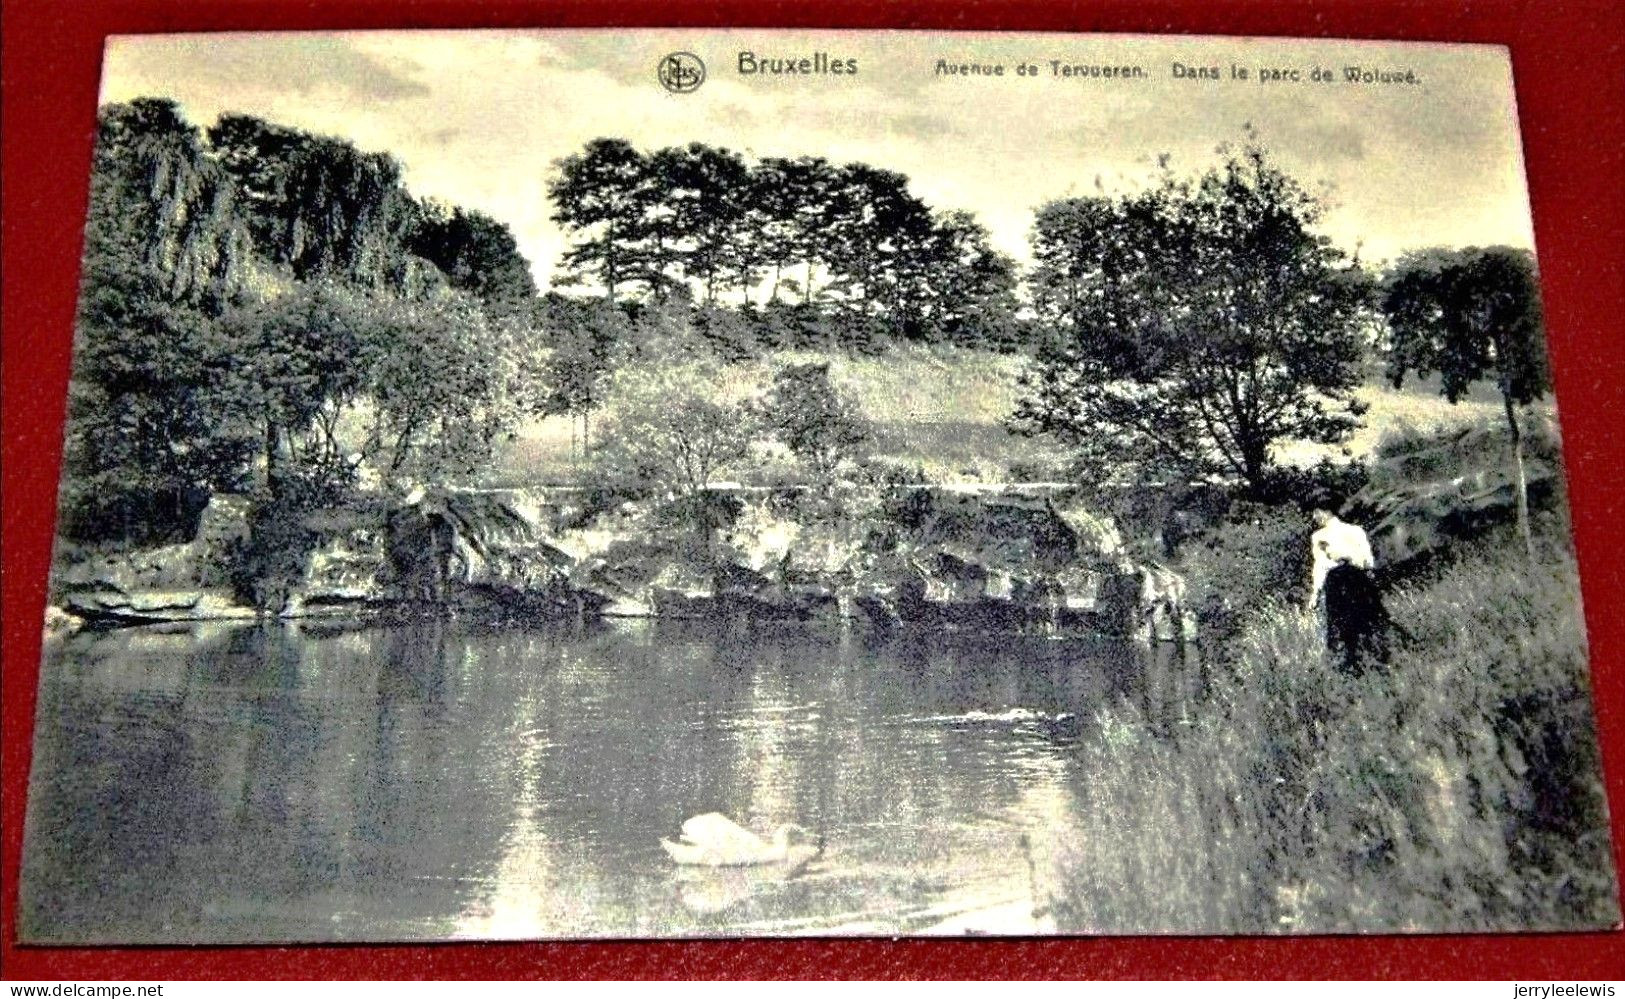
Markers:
(264, 308)
(848, 244)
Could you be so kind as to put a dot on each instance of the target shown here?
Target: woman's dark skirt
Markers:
(1357, 624)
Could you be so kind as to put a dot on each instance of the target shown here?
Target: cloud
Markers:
(302, 64)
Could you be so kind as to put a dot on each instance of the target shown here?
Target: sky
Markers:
(479, 118)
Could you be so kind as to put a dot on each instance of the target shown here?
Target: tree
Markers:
(260, 293)
(582, 339)
(704, 189)
(869, 258)
(166, 248)
(477, 254)
(601, 194)
(302, 359)
(1088, 253)
(812, 180)
(671, 427)
(804, 410)
(443, 382)
(774, 198)
(1473, 315)
(321, 207)
(1197, 323)
(870, 222)
(969, 288)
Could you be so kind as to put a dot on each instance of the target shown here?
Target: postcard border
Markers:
(1573, 126)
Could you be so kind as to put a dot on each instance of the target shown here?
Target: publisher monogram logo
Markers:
(681, 72)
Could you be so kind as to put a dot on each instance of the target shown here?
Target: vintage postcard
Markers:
(566, 484)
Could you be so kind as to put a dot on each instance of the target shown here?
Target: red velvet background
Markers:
(1569, 62)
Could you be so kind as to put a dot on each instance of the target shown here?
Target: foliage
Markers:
(321, 207)
(443, 380)
(1325, 485)
(257, 293)
(300, 360)
(1195, 324)
(670, 428)
(266, 568)
(1406, 455)
(599, 194)
(477, 254)
(1472, 315)
(865, 255)
(582, 340)
(162, 210)
(435, 378)
(165, 250)
(809, 416)
(1259, 555)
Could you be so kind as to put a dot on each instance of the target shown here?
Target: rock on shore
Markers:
(986, 559)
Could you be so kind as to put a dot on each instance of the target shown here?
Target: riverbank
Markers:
(1456, 787)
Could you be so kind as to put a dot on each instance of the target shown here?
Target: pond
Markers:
(444, 779)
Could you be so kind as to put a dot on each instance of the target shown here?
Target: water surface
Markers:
(303, 782)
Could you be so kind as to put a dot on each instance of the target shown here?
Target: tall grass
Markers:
(1457, 789)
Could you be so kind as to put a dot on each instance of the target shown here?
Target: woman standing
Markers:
(1356, 621)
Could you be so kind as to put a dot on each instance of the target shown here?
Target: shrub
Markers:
(1257, 556)
(820, 426)
(265, 569)
(1326, 485)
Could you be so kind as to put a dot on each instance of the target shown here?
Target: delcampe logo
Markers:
(681, 72)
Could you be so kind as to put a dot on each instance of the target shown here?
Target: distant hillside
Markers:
(941, 409)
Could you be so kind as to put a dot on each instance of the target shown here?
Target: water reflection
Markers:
(435, 779)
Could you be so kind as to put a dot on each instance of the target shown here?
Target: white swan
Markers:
(714, 840)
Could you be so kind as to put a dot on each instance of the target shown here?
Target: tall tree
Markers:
(869, 218)
(968, 288)
(601, 194)
(443, 386)
(166, 248)
(1221, 324)
(321, 207)
(814, 180)
(1473, 315)
(244, 295)
(302, 360)
(773, 201)
(1087, 253)
(477, 254)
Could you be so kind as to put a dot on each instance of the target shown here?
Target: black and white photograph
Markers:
(563, 484)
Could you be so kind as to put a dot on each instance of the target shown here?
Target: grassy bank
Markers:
(941, 409)
(1459, 789)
